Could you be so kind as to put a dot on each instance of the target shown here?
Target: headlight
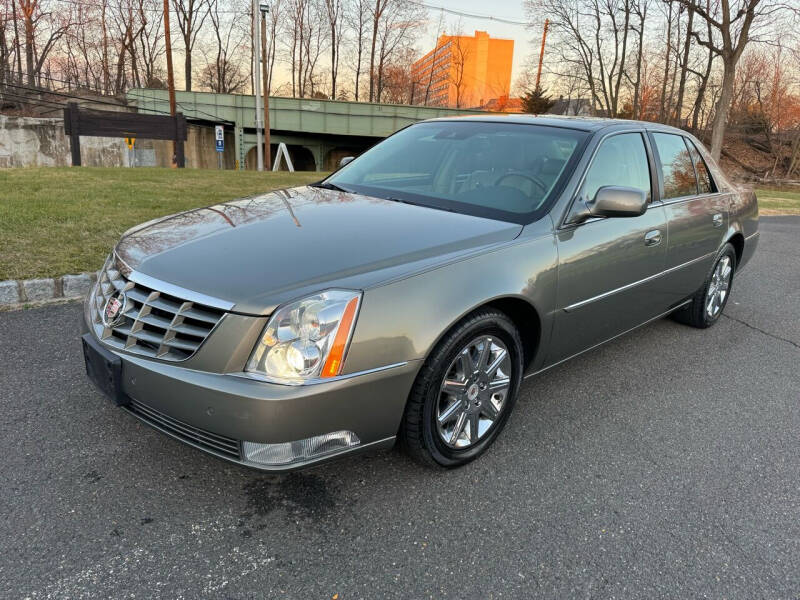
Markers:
(307, 339)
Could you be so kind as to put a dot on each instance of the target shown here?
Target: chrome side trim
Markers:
(318, 380)
(752, 235)
(583, 303)
(179, 292)
(656, 318)
(684, 199)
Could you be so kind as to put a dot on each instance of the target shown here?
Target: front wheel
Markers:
(710, 300)
(465, 391)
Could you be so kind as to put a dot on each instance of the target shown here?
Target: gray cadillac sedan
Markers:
(405, 297)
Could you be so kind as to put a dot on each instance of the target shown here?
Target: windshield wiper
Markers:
(404, 201)
(326, 185)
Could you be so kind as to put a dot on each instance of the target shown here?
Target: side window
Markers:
(704, 182)
(620, 160)
(676, 165)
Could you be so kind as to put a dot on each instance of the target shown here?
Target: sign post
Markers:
(219, 139)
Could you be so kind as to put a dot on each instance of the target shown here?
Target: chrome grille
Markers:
(212, 442)
(154, 324)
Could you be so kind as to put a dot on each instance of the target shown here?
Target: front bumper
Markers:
(217, 412)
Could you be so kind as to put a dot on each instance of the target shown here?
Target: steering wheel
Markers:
(532, 178)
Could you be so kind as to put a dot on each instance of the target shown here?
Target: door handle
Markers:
(652, 238)
(717, 219)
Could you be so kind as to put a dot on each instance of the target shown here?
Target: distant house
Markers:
(573, 107)
(503, 104)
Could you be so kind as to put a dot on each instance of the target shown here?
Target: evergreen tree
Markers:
(536, 102)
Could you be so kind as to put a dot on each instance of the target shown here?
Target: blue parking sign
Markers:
(219, 136)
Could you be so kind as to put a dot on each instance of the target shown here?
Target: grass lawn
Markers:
(55, 221)
(779, 201)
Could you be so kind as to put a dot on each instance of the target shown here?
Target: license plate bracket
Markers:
(104, 369)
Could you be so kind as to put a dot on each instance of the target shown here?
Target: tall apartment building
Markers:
(463, 71)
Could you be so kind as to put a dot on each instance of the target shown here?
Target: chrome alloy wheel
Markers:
(473, 392)
(718, 288)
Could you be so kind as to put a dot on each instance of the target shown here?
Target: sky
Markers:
(504, 9)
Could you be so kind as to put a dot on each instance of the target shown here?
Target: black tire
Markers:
(418, 434)
(695, 314)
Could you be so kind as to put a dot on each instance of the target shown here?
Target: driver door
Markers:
(608, 267)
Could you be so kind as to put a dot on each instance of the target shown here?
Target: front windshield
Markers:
(505, 171)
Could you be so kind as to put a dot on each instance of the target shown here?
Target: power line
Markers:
(51, 106)
(70, 96)
(462, 13)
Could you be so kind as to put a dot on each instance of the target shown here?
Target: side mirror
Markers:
(346, 160)
(613, 201)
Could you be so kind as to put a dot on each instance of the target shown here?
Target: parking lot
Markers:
(664, 464)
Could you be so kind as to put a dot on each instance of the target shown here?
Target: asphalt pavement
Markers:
(663, 464)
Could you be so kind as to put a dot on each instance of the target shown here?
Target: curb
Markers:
(17, 293)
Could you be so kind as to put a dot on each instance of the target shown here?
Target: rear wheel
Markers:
(464, 393)
(710, 300)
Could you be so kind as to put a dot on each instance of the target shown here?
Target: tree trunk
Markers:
(106, 69)
(684, 68)
(722, 108)
(4, 68)
(333, 18)
(29, 42)
(662, 109)
(376, 18)
(17, 47)
(187, 65)
(358, 67)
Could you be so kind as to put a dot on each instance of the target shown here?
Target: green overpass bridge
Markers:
(318, 133)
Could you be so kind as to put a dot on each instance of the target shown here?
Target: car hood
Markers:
(261, 251)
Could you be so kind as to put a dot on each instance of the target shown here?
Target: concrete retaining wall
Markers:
(34, 142)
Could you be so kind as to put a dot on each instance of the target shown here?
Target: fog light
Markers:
(299, 450)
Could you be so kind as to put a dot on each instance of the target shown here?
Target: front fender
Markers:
(403, 320)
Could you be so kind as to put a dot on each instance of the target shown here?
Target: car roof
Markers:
(581, 123)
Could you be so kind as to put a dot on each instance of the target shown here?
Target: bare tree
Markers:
(639, 8)
(662, 111)
(224, 74)
(684, 66)
(703, 76)
(459, 56)
(275, 16)
(151, 43)
(333, 10)
(358, 20)
(191, 14)
(393, 34)
(736, 24)
(46, 23)
(593, 36)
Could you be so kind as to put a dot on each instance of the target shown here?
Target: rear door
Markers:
(608, 267)
(697, 214)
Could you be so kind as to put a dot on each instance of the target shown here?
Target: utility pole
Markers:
(541, 53)
(170, 75)
(257, 84)
(268, 152)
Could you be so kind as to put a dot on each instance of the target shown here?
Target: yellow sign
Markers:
(130, 142)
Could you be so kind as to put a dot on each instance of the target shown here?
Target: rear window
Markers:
(676, 166)
(705, 184)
